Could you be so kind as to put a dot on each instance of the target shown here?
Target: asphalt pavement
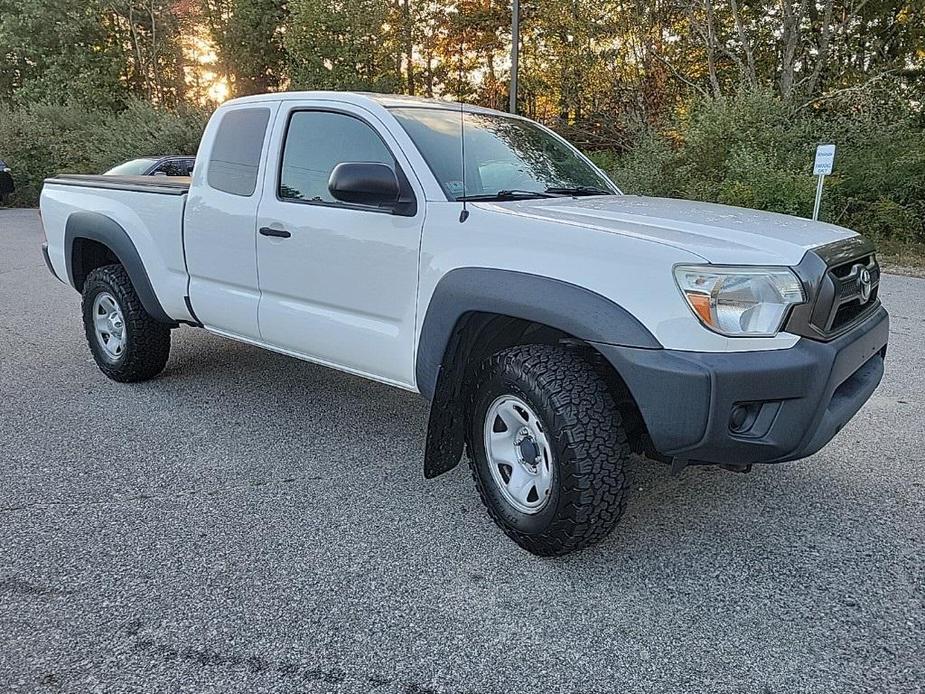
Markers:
(251, 523)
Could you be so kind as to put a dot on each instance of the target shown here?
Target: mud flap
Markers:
(446, 427)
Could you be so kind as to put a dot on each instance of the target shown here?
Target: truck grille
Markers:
(849, 305)
(842, 282)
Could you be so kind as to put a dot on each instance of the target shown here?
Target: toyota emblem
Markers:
(865, 286)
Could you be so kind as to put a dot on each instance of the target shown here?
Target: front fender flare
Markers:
(574, 310)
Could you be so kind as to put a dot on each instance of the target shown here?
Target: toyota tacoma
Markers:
(556, 325)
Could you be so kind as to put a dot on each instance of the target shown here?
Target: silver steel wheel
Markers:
(109, 324)
(519, 455)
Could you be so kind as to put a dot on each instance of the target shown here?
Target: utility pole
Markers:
(515, 54)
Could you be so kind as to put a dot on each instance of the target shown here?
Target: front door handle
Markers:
(278, 233)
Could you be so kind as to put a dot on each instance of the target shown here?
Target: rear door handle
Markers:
(278, 233)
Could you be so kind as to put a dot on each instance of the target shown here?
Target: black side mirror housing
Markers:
(365, 183)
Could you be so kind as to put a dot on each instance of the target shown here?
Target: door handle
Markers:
(278, 233)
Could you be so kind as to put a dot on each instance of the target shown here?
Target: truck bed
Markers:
(144, 212)
(164, 185)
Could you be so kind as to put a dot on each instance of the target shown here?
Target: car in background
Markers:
(6, 182)
(172, 165)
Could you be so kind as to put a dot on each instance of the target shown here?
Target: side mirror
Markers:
(364, 183)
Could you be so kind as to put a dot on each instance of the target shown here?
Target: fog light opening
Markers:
(742, 416)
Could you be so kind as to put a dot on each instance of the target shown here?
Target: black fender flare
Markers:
(98, 227)
(577, 311)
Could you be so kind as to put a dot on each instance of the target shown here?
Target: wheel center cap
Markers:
(529, 451)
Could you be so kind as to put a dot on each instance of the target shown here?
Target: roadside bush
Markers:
(753, 150)
(44, 139)
(756, 151)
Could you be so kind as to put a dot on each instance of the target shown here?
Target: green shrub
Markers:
(887, 219)
(755, 179)
(752, 150)
(647, 169)
(44, 139)
(756, 151)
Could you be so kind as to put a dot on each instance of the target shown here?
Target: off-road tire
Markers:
(147, 346)
(587, 438)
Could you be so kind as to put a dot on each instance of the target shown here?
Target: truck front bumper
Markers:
(751, 407)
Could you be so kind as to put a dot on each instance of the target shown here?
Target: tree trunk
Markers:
(790, 42)
(711, 48)
(751, 76)
(408, 37)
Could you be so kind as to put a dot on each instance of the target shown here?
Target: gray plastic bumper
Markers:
(788, 403)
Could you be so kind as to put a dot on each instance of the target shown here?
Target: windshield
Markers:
(507, 155)
(135, 167)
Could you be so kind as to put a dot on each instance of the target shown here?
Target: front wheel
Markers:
(127, 344)
(547, 449)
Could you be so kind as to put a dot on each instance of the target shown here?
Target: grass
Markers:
(901, 258)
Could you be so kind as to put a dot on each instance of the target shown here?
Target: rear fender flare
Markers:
(98, 227)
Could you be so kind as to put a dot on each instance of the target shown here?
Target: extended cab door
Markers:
(219, 229)
(338, 281)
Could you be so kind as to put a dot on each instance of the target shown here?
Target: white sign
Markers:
(825, 155)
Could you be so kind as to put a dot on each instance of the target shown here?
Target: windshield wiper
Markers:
(579, 190)
(509, 195)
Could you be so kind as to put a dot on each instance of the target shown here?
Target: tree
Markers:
(98, 51)
(249, 39)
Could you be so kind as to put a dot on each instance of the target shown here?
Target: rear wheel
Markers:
(127, 344)
(547, 449)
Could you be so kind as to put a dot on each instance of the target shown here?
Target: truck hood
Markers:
(717, 233)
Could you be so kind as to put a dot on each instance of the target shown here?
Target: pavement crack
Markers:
(255, 664)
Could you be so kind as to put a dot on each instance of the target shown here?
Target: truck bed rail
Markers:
(163, 185)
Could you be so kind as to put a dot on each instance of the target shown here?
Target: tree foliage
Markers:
(97, 51)
(249, 37)
(752, 150)
(342, 44)
(713, 99)
(626, 61)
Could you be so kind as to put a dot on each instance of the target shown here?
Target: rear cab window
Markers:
(235, 157)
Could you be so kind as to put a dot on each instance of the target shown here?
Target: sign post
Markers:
(822, 167)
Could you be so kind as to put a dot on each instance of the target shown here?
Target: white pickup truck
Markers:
(555, 324)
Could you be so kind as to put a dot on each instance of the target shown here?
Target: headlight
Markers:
(739, 301)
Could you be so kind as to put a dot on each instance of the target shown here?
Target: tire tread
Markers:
(589, 432)
(148, 346)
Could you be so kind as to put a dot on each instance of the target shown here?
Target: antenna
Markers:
(464, 213)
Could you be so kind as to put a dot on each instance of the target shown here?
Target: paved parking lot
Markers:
(251, 523)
